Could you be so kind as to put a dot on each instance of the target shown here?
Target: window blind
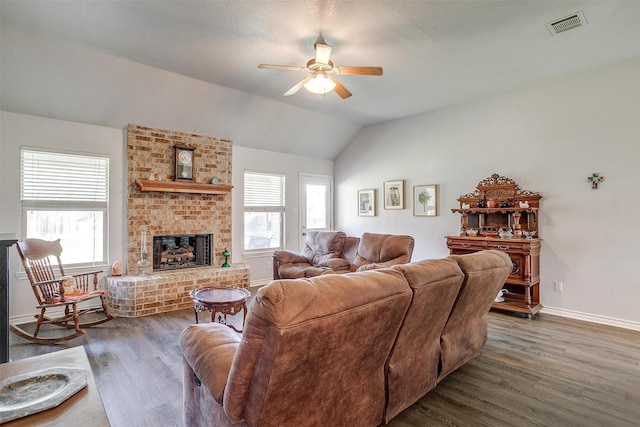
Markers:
(62, 179)
(263, 190)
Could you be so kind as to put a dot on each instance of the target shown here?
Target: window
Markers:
(65, 196)
(263, 211)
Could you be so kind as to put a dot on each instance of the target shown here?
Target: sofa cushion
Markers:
(413, 364)
(321, 246)
(382, 250)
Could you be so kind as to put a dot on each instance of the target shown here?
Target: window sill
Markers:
(259, 254)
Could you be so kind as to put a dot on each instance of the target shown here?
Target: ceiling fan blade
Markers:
(342, 91)
(297, 86)
(281, 67)
(323, 51)
(362, 71)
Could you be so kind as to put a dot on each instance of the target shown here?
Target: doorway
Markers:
(316, 204)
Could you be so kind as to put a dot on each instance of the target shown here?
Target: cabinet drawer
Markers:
(509, 245)
(466, 245)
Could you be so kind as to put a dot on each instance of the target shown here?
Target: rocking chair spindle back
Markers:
(61, 291)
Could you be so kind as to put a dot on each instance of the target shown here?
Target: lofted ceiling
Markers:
(434, 53)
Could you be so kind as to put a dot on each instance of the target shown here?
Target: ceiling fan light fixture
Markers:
(321, 73)
(320, 84)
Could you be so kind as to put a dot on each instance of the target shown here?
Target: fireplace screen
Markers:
(181, 251)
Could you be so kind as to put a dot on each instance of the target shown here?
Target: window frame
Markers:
(280, 209)
(69, 205)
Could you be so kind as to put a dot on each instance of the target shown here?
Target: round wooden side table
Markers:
(227, 300)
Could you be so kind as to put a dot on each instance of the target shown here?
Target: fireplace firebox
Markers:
(181, 251)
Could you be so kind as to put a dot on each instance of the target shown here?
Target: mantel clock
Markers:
(183, 163)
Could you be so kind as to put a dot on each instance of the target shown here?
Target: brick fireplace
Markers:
(164, 210)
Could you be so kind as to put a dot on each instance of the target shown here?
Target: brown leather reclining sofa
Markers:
(341, 349)
(327, 252)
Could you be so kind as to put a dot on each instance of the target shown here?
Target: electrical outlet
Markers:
(557, 285)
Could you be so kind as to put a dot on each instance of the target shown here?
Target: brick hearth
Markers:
(133, 296)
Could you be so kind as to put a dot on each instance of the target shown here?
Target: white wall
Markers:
(292, 166)
(18, 130)
(549, 139)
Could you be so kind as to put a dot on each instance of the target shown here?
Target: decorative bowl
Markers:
(505, 233)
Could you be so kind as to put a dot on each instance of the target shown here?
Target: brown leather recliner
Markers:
(322, 253)
(312, 353)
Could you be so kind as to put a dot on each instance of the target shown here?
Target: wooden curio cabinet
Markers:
(499, 215)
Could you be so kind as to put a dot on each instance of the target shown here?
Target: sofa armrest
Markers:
(285, 257)
(209, 349)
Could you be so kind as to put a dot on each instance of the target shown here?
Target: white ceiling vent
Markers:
(567, 23)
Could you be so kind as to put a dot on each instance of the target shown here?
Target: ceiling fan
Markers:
(321, 71)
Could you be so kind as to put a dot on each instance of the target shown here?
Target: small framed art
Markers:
(394, 194)
(425, 200)
(367, 203)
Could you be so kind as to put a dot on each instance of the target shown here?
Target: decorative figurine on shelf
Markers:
(116, 268)
(226, 254)
(500, 296)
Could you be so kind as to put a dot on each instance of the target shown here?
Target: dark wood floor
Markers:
(548, 371)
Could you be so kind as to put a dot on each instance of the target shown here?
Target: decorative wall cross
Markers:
(595, 179)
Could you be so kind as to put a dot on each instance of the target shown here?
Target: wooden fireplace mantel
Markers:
(182, 187)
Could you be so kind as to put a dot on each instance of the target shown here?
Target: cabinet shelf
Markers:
(182, 187)
(517, 307)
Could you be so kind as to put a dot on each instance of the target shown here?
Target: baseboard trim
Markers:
(604, 320)
(261, 282)
(27, 318)
(53, 312)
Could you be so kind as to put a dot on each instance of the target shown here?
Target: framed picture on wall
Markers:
(367, 203)
(394, 194)
(425, 200)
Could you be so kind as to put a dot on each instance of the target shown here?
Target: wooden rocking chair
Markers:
(63, 291)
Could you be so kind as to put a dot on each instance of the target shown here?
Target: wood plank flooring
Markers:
(547, 371)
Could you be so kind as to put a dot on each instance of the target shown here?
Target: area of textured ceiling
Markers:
(434, 53)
